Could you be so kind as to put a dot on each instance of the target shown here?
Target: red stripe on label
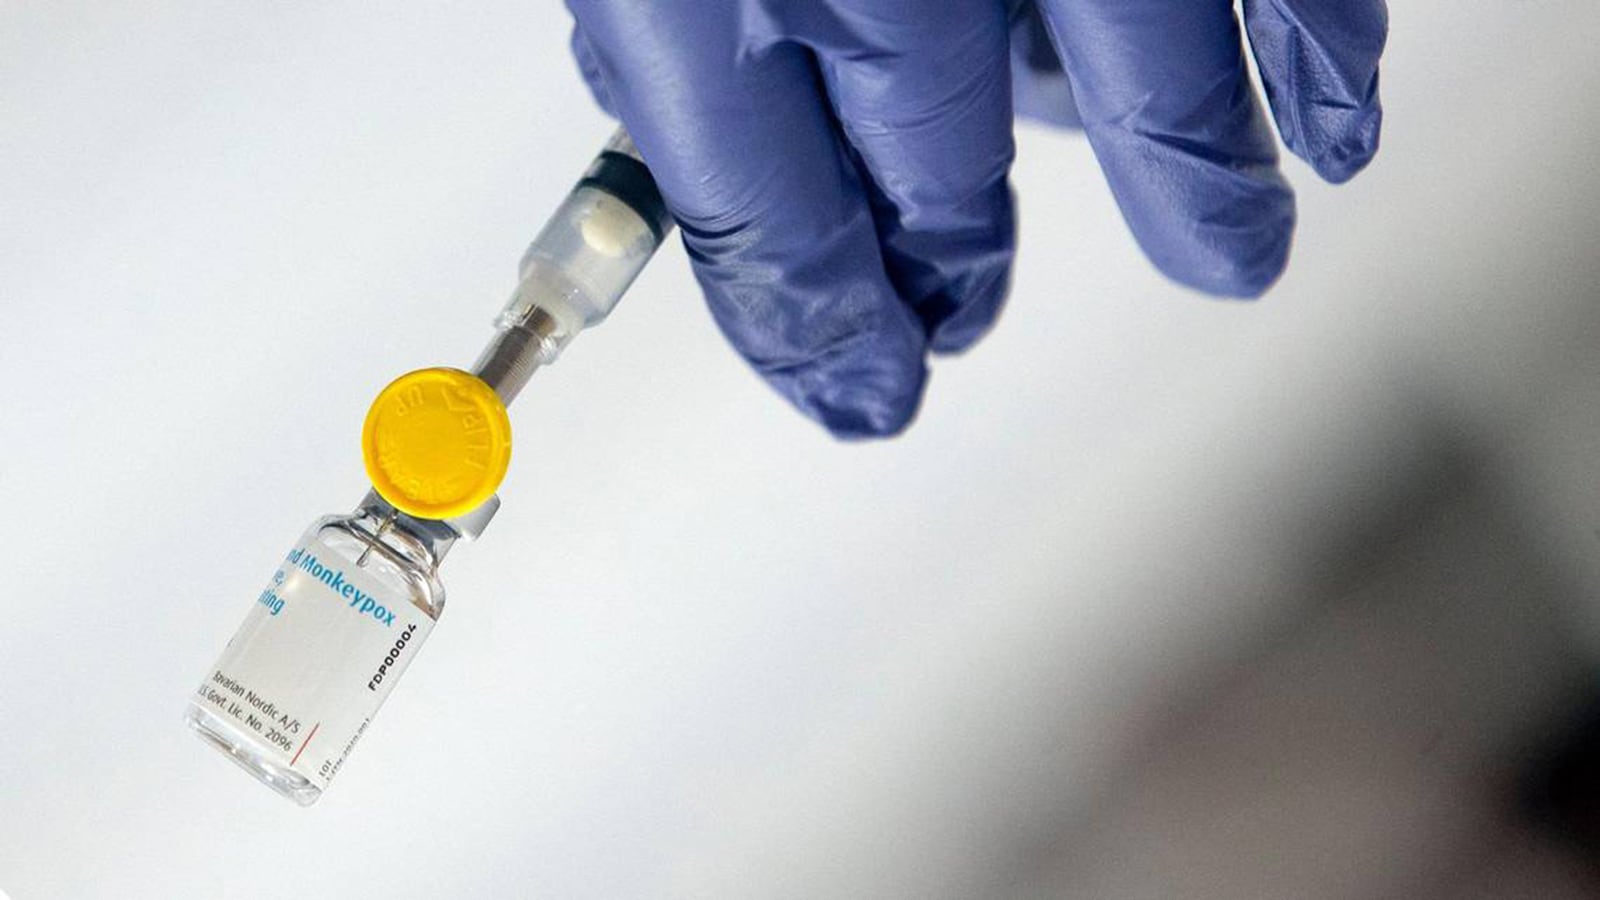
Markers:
(303, 746)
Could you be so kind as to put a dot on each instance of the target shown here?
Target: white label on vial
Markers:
(314, 660)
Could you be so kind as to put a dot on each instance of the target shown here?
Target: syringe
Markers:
(351, 603)
(576, 270)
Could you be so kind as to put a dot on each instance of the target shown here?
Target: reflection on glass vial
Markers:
(344, 614)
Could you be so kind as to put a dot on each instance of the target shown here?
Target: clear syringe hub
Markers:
(578, 267)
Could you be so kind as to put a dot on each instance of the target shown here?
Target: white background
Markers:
(707, 652)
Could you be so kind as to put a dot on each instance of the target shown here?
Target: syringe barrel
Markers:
(578, 267)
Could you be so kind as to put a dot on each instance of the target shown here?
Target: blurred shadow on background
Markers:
(1418, 724)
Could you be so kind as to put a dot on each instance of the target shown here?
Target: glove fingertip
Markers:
(868, 386)
(852, 361)
(1341, 160)
(855, 416)
(1235, 264)
(1208, 221)
(984, 296)
(1250, 277)
(1320, 67)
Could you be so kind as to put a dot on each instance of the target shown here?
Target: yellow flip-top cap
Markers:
(437, 443)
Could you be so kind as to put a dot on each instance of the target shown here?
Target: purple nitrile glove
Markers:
(839, 167)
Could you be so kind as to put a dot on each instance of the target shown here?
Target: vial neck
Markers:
(424, 541)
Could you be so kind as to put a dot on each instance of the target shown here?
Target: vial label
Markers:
(315, 658)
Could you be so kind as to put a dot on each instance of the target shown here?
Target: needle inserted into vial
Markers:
(352, 602)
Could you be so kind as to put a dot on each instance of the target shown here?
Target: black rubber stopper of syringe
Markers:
(630, 181)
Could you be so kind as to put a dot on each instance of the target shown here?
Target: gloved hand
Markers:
(839, 167)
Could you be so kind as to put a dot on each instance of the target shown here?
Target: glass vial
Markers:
(342, 617)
